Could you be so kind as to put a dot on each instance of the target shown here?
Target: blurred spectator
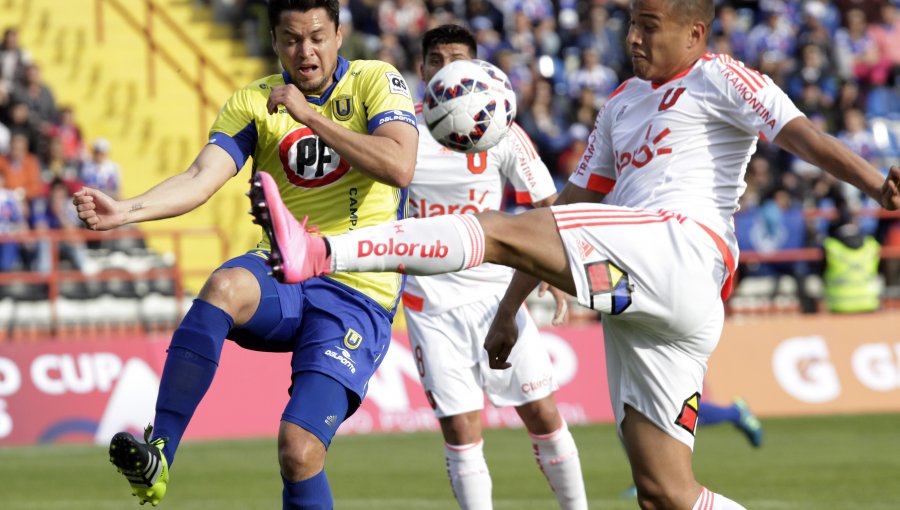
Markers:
(604, 35)
(12, 221)
(486, 37)
(759, 181)
(69, 135)
(858, 55)
(593, 75)
(21, 169)
(545, 122)
(40, 99)
(886, 34)
(486, 11)
(405, 18)
(13, 60)
(57, 166)
(813, 70)
(356, 45)
(571, 155)
(100, 172)
(731, 31)
(851, 269)
(60, 215)
(22, 123)
(773, 39)
(870, 8)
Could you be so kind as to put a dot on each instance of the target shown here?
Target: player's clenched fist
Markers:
(97, 210)
(293, 100)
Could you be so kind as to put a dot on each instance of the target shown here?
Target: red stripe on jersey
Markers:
(610, 223)
(419, 107)
(620, 88)
(762, 135)
(413, 302)
(618, 214)
(600, 184)
(726, 256)
(708, 56)
(743, 76)
(523, 197)
(665, 150)
(476, 240)
(525, 140)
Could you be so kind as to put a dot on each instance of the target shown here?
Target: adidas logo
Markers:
(331, 421)
(584, 249)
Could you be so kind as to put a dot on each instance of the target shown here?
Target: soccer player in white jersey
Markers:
(667, 158)
(448, 315)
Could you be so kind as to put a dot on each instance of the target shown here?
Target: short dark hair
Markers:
(448, 34)
(691, 10)
(276, 7)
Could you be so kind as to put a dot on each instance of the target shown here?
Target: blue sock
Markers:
(310, 494)
(710, 414)
(191, 363)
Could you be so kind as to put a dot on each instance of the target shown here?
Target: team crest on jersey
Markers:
(343, 107)
(352, 339)
(609, 286)
(690, 414)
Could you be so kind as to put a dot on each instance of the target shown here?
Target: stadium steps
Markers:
(94, 56)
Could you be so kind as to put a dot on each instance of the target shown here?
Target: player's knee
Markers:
(659, 496)
(234, 290)
(300, 458)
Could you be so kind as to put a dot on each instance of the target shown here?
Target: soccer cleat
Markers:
(629, 493)
(296, 255)
(748, 423)
(143, 465)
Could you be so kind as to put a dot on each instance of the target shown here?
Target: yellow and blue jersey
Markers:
(312, 178)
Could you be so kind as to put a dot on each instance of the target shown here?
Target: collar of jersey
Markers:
(342, 66)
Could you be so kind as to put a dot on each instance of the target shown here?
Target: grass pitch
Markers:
(821, 463)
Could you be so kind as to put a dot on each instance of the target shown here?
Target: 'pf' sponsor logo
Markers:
(391, 247)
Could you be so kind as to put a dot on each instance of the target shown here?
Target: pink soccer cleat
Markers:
(296, 255)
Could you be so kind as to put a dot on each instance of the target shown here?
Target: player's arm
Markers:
(172, 197)
(503, 334)
(803, 139)
(388, 155)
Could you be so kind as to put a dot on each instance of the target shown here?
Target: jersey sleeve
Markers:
(524, 168)
(747, 99)
(386, 96)
(597, 169)
(235, 128)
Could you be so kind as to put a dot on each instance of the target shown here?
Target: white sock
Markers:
(557, 456)
(469, 475)
(709, 500)
(436, 245)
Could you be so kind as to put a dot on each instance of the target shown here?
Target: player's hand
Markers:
(562, 302)
(890, 190)
(97, 210)
(501, 338)
(293, 101)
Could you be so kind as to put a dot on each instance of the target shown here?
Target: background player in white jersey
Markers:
(448, 315)
(324, 129)
(667, 156)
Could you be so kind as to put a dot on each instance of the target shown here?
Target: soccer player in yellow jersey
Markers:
(339, 138)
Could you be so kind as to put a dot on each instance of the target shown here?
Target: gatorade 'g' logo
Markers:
(352, 339)
(308, 162)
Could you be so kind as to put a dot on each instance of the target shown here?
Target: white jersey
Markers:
(683, 146)
(448, 182)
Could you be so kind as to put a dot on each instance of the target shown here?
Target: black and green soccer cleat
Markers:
(143, 465)
(748, 423)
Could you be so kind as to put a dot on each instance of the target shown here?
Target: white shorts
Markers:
(448, 349)
(656, 278)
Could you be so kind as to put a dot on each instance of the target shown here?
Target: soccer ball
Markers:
(469, 106)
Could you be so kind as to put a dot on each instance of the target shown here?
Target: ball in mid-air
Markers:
(469, 106)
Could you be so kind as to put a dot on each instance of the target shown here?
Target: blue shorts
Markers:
(329, 327)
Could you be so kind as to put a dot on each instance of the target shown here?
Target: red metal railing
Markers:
(57, 276)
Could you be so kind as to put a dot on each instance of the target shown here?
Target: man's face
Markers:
(307, 46)
(658, 41)
(441, 55)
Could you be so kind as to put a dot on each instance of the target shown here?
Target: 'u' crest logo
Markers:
(343, 107)
(352, 339)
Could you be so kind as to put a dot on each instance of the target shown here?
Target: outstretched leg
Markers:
(529, 242)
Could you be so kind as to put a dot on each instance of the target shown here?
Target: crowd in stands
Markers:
(43, 160)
